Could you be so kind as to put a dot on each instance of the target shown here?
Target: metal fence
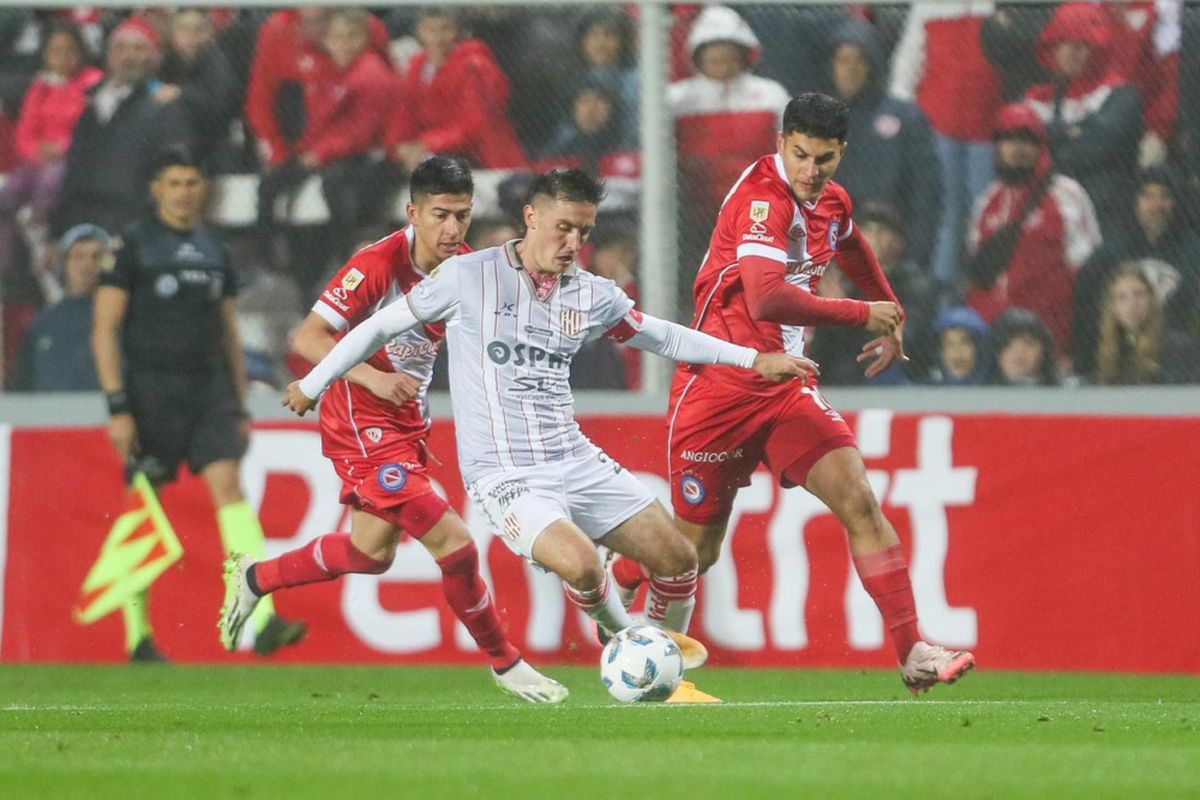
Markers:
(1024, 171)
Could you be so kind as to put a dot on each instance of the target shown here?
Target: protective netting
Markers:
(1025, 172)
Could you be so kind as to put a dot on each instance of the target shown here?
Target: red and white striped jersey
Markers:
(353, 419)
(760, 217)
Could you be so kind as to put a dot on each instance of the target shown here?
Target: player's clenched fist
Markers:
(296, 400)
(784, 366)
(883, 317)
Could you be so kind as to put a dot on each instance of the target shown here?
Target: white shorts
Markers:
(594, 492)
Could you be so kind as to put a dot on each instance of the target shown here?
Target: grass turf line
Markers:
(258, 732)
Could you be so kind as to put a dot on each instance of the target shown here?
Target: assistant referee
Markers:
(171, 365)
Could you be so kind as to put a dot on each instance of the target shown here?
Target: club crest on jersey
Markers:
(351, 280)
(374, 434)
(833, 235)
(759, 210)
(392, 478)
(692, 490)
(571, 321)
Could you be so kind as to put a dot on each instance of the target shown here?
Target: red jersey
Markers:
(760, 217)
(352, 419)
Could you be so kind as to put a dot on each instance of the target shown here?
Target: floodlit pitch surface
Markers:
(250, 732)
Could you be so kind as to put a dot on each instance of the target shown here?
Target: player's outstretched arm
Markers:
(358, 344)
(680, 343)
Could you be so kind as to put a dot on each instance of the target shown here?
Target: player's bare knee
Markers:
(860, 510)
(676, 556)
(707, 554)
(583, 575)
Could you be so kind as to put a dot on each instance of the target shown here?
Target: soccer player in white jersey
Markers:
(373, 429)
(515, 317)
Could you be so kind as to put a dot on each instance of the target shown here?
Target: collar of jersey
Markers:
(510, 253)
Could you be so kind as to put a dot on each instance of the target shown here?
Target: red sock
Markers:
(468, 595)
(323, 559)
(628, 573)
(885, 577)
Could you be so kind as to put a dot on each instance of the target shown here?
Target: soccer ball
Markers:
(641, 664)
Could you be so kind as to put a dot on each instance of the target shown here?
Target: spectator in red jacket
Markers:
(53, 105)
(1092, 114)
(939, 63)
(455, 101)
(288, 52)
(1031, 232)
(346, 102)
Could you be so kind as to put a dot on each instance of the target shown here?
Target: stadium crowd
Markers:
(1027, 173)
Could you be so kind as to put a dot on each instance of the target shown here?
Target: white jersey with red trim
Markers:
(511, 353)
(760, 217)
(352, 419)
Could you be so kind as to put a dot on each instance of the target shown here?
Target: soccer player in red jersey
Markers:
(779, 228)
(373, 429)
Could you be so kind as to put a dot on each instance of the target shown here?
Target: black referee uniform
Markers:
(177, 376)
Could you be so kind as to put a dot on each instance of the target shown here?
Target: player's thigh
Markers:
(651, 538)
(374, 536)
(520, 505)
(601, 494)
(564, 549)
(383, 484)
(715, 440)
(839, 480)
(805, 428)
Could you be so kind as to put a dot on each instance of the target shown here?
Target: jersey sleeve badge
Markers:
(352, 279)
(759, 210)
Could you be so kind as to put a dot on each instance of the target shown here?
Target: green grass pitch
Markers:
(356, 733)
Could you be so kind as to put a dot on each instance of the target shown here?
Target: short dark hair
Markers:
(573, 185)
(174, 157)
(817, 115)
(440, 175)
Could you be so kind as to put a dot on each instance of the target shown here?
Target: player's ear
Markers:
(530, 214)
(411, 210)
(779, 140)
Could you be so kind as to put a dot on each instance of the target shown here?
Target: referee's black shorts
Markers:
(185, 416)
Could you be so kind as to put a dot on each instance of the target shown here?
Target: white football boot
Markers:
(525, 682)
(929, 664)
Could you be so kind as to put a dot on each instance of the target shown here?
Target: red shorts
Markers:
(717, 435)
(381, 483)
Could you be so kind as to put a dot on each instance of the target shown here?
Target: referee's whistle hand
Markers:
(296, 400)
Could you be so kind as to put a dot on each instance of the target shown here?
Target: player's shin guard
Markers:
(601, 604)
(241, 532)
(468, 595)
(671, 601)
(323, 559)
(885, 577)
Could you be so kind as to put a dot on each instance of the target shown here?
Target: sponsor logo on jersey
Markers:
(706, 457)
(335, 302)
(758, 228)
(809, 268)
(340, 293)
(392, 478)
(759, 210)
(571, 321)
(351, 280)
(833, 235)
(506, 310)
(404, 350)
(374, 434)
(505, 493)
(692, 490)
(188, 252)
(521, 354)
(797, 231)
(166, 286)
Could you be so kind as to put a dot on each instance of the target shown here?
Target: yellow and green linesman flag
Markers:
(140, 547)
